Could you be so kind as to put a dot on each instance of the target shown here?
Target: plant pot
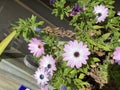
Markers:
(30, 62)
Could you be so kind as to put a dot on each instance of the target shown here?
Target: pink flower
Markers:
(102, 13)
(118, 13)
(116, 55)
(48, 63)
(41, 77)
(76, 54)
(36, 47)
(44, 88)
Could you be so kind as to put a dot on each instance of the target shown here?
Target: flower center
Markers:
(41, 76)
(49, 66)
(76, 10)
(76, 54)
(99, 14)
(39, 46)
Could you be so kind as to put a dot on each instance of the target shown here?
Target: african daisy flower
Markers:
(52, 2)
(102, 13)
(36, 47)
(41, 76)
(44, 88)
(76, 54)
(48, 63)
(63, 88)
(76, 10)
(116, 55)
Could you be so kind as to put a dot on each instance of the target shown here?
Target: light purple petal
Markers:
(102, 12)
(36, 47)
(116, 55)
(70, 49)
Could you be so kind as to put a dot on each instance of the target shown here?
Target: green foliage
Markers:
(104, 72)
(104, 36)
(71, 78)
(114, 73)
(26, 28)
(59, 9)
(51, 45)
(100, 37)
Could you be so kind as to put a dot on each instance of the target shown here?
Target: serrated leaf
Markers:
(97, 27)
(95, 59)
(105, 36)
(73, 73)
(81, 76)
(40, 23)
(67, 70)
(106, 48)
(78, 80)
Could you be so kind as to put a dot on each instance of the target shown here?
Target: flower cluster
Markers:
(47, 63)
(75, 54)
(65, 64)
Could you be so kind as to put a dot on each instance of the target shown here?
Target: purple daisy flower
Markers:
(36, 47)
(48, 63)
(118, 13)
(102, 13)
(76, 54)
(37, 29)
(63, 88)
(52, 1)
(116, 55)
(41, 76)
(76, 10)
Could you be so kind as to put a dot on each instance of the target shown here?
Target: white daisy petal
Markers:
(41, 76)
(102, 13)
(75, 54)
(47, 62)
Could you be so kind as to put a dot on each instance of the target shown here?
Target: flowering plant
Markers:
(83, 61)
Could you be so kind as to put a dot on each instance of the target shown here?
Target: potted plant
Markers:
(84, 61)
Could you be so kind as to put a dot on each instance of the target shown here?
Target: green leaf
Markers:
(97, 27)
(104, 47)
(68, 80)
(105, 36)
(62, 16)
(78, 80)
(40, 23)
(73, 73)
(95, 59)
(67, 70)
(81, 76)
(84, 69)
